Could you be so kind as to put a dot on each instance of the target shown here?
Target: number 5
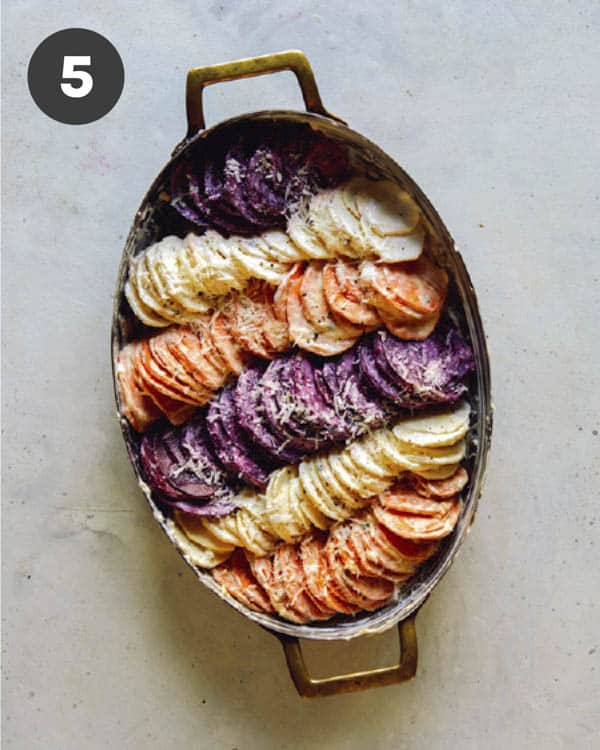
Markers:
(86, 80)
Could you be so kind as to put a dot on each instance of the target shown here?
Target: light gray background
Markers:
(109, 641)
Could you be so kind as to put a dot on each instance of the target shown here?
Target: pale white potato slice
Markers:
(217, 273)
(435, 457)
(140, 278)
(282, 248)
(374, 443)
(321, 223)
(394, 249)
(393, 455)
(306, 240)
(225, 529)
(350, 192)
(387, 209)
(309, 510)
(429, 429)
(253, 247)
(251, 534)
(173, 280)
(335, 489)
(253, 267)
(348, 225)
(370, 485)
(296, 503)
(438, 472)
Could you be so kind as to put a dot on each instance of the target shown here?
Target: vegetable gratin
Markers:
(297, 377)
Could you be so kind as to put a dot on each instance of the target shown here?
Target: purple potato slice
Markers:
(182, 198)
(251, 415)
(406, 396)
(157, 464)
(265, 183)
(323, 417)
(215, 508)
(431, 370)
(230, 444)
(279, 406)
(365, 409)
(373, 375)
(204, 463)
(235, 191)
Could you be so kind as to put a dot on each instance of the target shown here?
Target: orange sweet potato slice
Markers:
(345, 297)
(225, 344)
(419, 285)
(157, 379)
(253, 591)
(304, 334)
(194, 353)
(182, 380)
(264, 570)
(316, 570)
(287, 564)
(247, 327)
(137, 407)
(314, 304)
(409, 330)
(404, 501)
(440, 487)
(418, 527)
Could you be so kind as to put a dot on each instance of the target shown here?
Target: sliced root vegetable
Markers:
(419, 527)
(314, 304)
(181, 379)
(287, 565)
(420, 285)
(442, 487)
(225, 344)
(251, 587)
(387, 209)
(304, 334)
(305, 239)
(137, 407)
(409, 331)
(156, 379)
(402, 500)
(249, 317)
(345, 296)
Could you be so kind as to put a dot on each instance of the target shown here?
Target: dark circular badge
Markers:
(75, 76)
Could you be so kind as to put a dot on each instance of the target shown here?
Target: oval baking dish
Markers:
(148, 228)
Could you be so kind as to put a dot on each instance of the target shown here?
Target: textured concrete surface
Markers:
(108, 639)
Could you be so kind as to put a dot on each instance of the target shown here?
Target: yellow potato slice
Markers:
(199, 556)
(196, 531)
(325, 502)
(281, 520)
(145, 314)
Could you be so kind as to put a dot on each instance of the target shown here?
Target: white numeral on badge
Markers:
(69, 72)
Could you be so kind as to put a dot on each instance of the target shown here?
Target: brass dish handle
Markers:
(294, 60)
(310, 687)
